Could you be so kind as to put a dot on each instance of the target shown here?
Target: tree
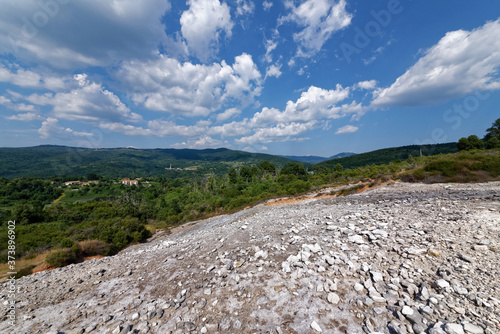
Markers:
(268, 167)
(493, 142)
(295, 168)
(463, 144)
(470, 143)
(338, 168)
(233, 175)
(494, 131)
(246, 173)
(474, 142)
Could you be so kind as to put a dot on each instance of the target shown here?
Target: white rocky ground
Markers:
(403, 258)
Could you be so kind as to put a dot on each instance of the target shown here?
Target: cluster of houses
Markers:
(129, 182)
(126, 181)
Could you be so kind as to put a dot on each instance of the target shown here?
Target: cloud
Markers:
(459, 64)
(320, 19)
(347, 129)
(202, 142)
(270, 46)
(312, 110)
(266, 5)
(231, 112)
(63, 33)
(278, 133)
(190, 90)
(27, 117)
(6, 102)
(50, 130)
(273, 71)
(26, 78)
(89, 102)
(202, 24)
(366, 85)
(313, 104)
(244, 7)
(233, 129)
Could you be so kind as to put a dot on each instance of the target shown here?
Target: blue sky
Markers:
(314, 77)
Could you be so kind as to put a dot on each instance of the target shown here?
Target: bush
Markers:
(94, 247)
(63, 257)
(444, 166)
(67, 243)
(297, 186)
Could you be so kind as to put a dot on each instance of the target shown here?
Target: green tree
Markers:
(493, 142)
(295, 168)
(463, 144)
(475, 142)
(494, 131)
(338, 168)
(268, 167)
(246, 173)
(233, 175)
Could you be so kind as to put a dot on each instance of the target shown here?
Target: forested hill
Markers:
(48, 160)
(386, 155)
(315, 159)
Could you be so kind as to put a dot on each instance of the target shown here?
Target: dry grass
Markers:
(24, 264)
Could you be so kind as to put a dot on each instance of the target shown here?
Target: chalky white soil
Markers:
(404, 258)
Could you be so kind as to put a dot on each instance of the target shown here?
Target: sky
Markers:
(314, 77)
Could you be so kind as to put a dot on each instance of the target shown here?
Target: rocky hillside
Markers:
(405, 258)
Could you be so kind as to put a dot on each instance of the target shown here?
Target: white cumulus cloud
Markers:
(231, 112)
(266, 5)
(88, 102)
(273, 71)
(460, 63)
(63, 33)
(319, 19)
(51, 129)
(366, 85)
(202, 24)
(186, 89)
(347, 129)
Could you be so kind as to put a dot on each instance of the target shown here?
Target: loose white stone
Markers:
(407, 310)
(474, 329)
(451, 328)
(442, 283)
(315, 326)
(333, 298)
(376, 276)
(357, 239)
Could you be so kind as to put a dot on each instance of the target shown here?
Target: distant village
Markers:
(125, 181)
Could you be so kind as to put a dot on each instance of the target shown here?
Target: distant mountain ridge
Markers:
(313, 159)
(342, 155)
(51, 160)
(386, 155)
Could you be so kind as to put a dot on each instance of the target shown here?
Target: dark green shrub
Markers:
(297, 187)
(444, 166)
(67, 243)
(63, 257)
